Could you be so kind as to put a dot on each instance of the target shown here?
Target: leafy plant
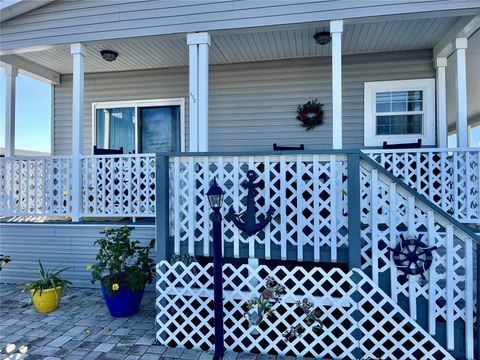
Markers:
(48, 279)
(4, 260)
(122, 262)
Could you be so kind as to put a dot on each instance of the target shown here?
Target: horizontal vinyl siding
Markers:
(55, 245)
(252, 105)
(68, 21)
(134, 85)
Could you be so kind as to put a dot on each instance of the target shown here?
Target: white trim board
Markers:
(141, 103)
(428, 88)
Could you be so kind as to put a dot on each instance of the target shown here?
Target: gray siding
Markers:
(65, 245)
(252, 105)
(67, 21)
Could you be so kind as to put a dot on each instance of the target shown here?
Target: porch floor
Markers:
(82, 328)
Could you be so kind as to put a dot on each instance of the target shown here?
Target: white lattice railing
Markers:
(450, 178)
(119, 185)
(359, 319)
(387, 211)
(35, 186)
(306, 191)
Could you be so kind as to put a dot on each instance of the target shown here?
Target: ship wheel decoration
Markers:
(412, 256)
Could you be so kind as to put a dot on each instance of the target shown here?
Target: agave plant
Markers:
(4, 260)
(48, 279)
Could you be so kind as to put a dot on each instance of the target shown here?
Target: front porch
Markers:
(337, 214)
(336, 207)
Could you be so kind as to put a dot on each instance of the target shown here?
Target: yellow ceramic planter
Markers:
(48, 301)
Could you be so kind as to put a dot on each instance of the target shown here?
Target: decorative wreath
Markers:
(412, 256)
(310, 114)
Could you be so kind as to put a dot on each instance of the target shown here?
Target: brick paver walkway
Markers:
(81, 328)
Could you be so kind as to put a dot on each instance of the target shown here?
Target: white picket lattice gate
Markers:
(450, 178)
(306, 191)
(359, 319)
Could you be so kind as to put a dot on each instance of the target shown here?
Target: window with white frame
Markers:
(139, 126)
(400, 111)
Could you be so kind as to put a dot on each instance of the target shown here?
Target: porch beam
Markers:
(442, 125)
(11, 73)
(32, 69)
(461, 92)
(78, 52)
(198, 44)
(463, 28)
(336, 29)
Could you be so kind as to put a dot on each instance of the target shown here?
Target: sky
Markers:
(33, 113)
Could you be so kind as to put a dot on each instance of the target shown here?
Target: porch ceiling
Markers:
(251, 45)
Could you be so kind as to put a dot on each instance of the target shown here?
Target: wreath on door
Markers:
(310, 114)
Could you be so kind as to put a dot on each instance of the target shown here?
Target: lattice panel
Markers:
(359, 320)
(35, 186)
(449, 178)
(307, 192)
(388, 211)
(123, 185)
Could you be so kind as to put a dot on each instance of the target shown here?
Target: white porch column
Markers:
(198, 45)
(461, 92)
(10, 86)
(78, 52)
(442, 124)
(336, 29)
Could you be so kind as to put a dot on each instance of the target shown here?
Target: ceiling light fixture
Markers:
(109, 55)
(322, 38)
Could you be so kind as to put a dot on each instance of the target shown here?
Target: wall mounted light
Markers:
(109, 55)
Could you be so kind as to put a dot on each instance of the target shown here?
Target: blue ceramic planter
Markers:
(124, 303)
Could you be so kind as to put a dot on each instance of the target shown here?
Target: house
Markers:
(380, 243)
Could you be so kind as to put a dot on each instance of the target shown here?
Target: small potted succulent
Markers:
(47, 290)
(123, 268)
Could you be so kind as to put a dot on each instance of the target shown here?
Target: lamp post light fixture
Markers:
(215, 198)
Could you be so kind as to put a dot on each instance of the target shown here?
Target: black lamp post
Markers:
(215, 198)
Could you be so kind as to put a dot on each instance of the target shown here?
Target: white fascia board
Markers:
(463, 28)
(32, 69)
(10, 9)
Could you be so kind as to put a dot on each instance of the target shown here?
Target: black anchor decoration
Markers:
(246, 221)
(412, 256)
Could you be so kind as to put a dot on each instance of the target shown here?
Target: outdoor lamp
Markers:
(215, 198)
(109, 55)
(322, 38)
(215, 195)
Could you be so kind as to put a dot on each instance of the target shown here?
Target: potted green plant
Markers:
(47, 290)
(123, 268)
